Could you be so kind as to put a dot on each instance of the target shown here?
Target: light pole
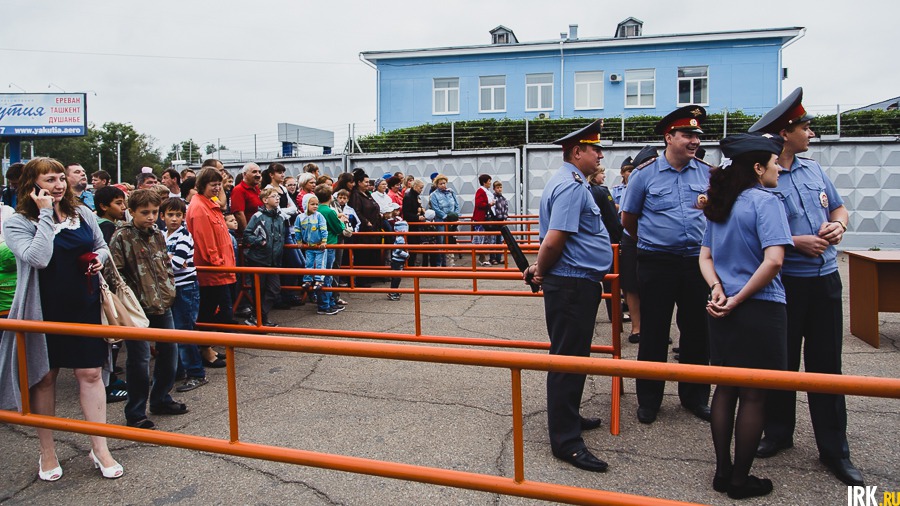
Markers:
(17, 86)
(119, 157)
(58, 86)
(100, 155)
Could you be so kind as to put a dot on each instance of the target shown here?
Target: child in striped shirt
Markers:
(180, 245)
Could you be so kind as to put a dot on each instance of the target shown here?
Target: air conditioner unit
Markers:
(615, 78)
(542, 116)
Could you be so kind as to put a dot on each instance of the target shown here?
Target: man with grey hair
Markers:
(245, 199)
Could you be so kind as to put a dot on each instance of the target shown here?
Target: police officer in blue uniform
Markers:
(574, 256)
(818, 220)
(661, 208)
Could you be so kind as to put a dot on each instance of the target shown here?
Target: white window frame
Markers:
(493, 88)
(540, 88)
(588, 78)
(692, 80)
(639, 105)
(442, 95)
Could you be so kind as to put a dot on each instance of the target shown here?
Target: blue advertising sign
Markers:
(43, 114)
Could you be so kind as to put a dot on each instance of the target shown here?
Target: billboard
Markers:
(43, 114)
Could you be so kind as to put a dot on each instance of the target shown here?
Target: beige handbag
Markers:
(122, 308)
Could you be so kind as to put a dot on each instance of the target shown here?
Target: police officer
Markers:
(818, 220)
(574, 256)
(661, 209)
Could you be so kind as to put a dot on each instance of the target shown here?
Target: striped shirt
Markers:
(180, 245)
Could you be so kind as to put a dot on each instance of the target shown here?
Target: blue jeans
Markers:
(184, 315)
(137, 371)
(315, 259)
(326, 299)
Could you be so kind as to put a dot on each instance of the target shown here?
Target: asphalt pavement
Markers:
(454, 417)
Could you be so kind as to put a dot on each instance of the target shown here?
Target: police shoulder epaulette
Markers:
(805, 158)
(577, 177)
(648, 162)
(704, 162)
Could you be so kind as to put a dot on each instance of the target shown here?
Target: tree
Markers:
(137, 150)
(211, 148)
(185, 150)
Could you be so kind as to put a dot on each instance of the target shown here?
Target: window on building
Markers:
(492, 94)
(693, 85)
(589, 90)
(640, 88)
(446, 95)
(539, 92)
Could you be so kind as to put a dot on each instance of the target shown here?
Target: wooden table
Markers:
(874, 287)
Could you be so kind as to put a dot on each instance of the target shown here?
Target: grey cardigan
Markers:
(32, 243)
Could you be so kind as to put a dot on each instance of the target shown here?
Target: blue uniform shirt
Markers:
(808, 197)
(756, 222)
(666, 203)
(616, 192)
(567, 205)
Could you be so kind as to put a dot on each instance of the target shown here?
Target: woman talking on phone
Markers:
(59, 251)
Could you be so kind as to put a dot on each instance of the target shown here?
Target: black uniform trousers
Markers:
(570, 306)
(814, 312)
(665, 280)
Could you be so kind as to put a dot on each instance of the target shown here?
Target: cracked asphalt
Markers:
(454, 417)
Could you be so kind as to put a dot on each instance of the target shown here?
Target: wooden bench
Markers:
(874, 287)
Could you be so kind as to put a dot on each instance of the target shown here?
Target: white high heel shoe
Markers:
(51, 475)
(111, 472)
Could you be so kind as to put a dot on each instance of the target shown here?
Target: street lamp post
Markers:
(119, 156)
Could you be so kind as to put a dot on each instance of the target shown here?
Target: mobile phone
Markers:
(38, 189)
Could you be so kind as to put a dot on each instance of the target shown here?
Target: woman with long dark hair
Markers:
(370, 220)
(59, 250)
(740, 258)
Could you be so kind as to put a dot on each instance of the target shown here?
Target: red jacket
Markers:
(481, 204)
(212, 242)
(245, 199)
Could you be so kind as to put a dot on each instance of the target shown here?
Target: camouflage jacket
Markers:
(143, 261)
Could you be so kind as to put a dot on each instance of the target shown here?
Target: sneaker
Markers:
(393, 296)
(251, 322)
(244, 311)
(268, 323)
(341, 302)
(191, 383)
(343, 284)
(338, 308)
(328, 310)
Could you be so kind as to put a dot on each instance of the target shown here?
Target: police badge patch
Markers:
(577, 177)
(823, 199)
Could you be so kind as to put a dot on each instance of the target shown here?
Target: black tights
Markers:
(747, 429)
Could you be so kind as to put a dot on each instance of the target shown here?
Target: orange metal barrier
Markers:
(614, 349)
(514, 361)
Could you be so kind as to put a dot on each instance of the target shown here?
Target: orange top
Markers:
(212, 242)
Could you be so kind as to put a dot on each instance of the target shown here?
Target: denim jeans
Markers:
(137, 371)
(326, 299)
(315, 259)
(184, 315)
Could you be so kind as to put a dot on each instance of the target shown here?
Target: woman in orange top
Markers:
(212, 246)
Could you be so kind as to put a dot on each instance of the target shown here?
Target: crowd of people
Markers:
(153, 235)
(745, 251)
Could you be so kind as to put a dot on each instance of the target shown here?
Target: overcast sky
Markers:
(208, 70)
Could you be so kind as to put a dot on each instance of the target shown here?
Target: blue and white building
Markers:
(629, 74)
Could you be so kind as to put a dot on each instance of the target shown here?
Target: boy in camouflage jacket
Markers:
(138, 250)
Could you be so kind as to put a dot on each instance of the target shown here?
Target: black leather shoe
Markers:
(844, 470)
(702, 412)
(590, 423)
(584, 459)
(634, 338)
(753, 487)
(646, 415)
(769, 447)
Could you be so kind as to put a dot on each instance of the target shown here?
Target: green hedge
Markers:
(491, 133)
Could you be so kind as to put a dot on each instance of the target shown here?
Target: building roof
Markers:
(785, 34)
(885, 105)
